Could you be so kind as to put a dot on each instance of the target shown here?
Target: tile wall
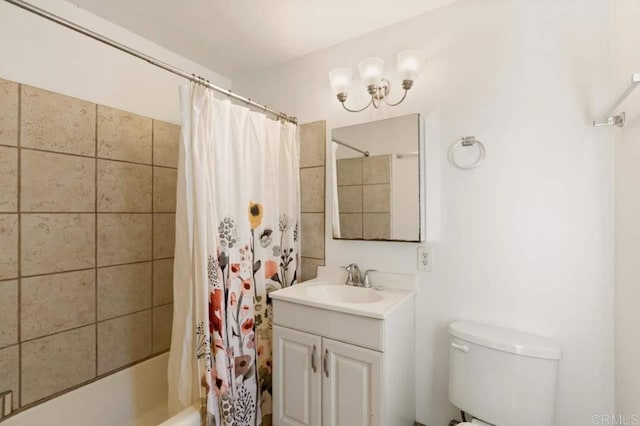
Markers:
(87, 211)
(312, 194)
(364, 197)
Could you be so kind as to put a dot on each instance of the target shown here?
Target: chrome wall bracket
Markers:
(616, 120)
(609, 119)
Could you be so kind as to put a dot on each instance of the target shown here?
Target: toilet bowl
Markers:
(502, 376)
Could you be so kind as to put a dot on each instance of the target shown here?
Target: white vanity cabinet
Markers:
(319, 381)
(337, 368)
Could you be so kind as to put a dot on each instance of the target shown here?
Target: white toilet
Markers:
(502, 377)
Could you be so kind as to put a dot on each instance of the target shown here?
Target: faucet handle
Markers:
(367, 280)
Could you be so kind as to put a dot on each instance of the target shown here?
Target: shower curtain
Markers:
(237, 239)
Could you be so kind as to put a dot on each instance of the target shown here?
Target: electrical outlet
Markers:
(425, 258)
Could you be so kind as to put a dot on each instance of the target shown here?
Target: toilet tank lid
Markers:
(502, 339)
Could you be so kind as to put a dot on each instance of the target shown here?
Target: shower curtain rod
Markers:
(153, 61)
(365, 153)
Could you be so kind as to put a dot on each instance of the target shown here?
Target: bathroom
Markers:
(539, 238)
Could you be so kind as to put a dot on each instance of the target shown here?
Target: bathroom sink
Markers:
(329, 293)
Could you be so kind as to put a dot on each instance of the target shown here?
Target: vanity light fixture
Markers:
(371, 70)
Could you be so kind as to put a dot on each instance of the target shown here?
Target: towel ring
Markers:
(465, 142)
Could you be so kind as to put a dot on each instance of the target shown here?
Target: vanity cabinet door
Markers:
(296, 378)
(351, 385)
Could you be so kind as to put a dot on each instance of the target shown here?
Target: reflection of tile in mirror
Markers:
(376, 198)
(349, 171)
(376, 169)
(351, 225)
(350, 199)
(376, 226)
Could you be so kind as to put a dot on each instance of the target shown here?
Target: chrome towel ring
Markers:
(467, 141)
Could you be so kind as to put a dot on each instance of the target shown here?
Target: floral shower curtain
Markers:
(237, 239)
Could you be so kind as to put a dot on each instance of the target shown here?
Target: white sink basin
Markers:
(329, 293)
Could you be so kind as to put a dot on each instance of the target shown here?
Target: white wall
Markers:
(526, 241)
(626, 32)
(43, 54)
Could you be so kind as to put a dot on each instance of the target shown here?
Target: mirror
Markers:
(377, 185)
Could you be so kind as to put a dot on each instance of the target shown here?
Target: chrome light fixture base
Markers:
(372, 75)
(378, 93)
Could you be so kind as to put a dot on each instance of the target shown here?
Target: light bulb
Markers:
(371, 70)
(340, 79)
(409, 64)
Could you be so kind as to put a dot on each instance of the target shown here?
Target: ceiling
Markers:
(230, 36)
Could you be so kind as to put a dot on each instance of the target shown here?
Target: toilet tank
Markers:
(501, 376)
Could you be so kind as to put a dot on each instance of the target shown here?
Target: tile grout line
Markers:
(95, 240)
(89, 324)
(91, 212)
(71, 154)
(19, 208)
(153, 174)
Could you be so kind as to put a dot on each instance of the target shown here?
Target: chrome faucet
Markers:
(366, 282)
(353, 275)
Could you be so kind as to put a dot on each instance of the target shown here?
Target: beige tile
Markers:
(164, 233)
(164, 189)
(57, 362)
(376, 226)
(123, 289)
(8, 246)
(8, 112)
(57, 242)
(123, 340)
(10, 372)
(313, 235)
(166, 140)
(312, 189)
(376, 169)
(312, 144)
(123, 135)
(162, 281)
(123, 238)
(8, 313)
(8, 179)
(351, 226)
(162, 320)
(56, 122)
(350, 199)
(123, 187)
(376, 198)
(53, 303)
(310, 268)
(349, 171)
(57, 182)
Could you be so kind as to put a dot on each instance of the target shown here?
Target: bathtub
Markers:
(187, 417)
(136, 396)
